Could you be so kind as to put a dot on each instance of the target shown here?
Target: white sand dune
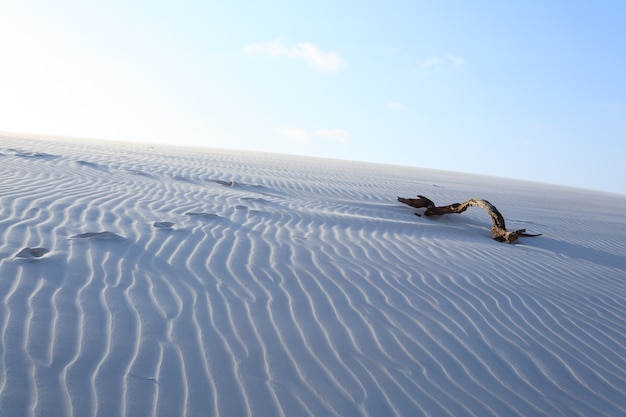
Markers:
(143, 281)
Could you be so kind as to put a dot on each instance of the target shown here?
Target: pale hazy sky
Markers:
(522, 89)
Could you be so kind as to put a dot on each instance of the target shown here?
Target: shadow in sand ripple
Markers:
(32, 252)
(99, 236)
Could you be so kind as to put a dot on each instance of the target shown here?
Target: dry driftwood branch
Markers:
(498, 230)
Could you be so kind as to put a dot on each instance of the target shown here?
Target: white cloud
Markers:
(438, 61)
(269, 48)
(305, 136)
(612, 106)
(308, 52)
(455, 60)
(295, 135)
(394, 105)
(340, 135)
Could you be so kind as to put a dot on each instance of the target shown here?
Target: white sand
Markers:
(143, 281)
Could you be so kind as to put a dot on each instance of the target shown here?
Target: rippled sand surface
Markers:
(163, 281)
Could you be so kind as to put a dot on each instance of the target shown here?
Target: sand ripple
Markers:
(286, 286)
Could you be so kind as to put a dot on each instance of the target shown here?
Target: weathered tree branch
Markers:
(498, 230)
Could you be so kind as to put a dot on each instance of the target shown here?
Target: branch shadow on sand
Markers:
(575, 251)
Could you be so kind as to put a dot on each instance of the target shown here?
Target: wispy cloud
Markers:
(440, 61)
(612, 106)
(295, 135)
(306, 51)
(305, 136)
(394, 105)
(340, 135)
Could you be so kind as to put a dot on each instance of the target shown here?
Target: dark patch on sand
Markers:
(32, 253)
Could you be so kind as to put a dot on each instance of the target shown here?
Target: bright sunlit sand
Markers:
(165, 281)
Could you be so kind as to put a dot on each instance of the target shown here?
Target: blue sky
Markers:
(531, 90)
